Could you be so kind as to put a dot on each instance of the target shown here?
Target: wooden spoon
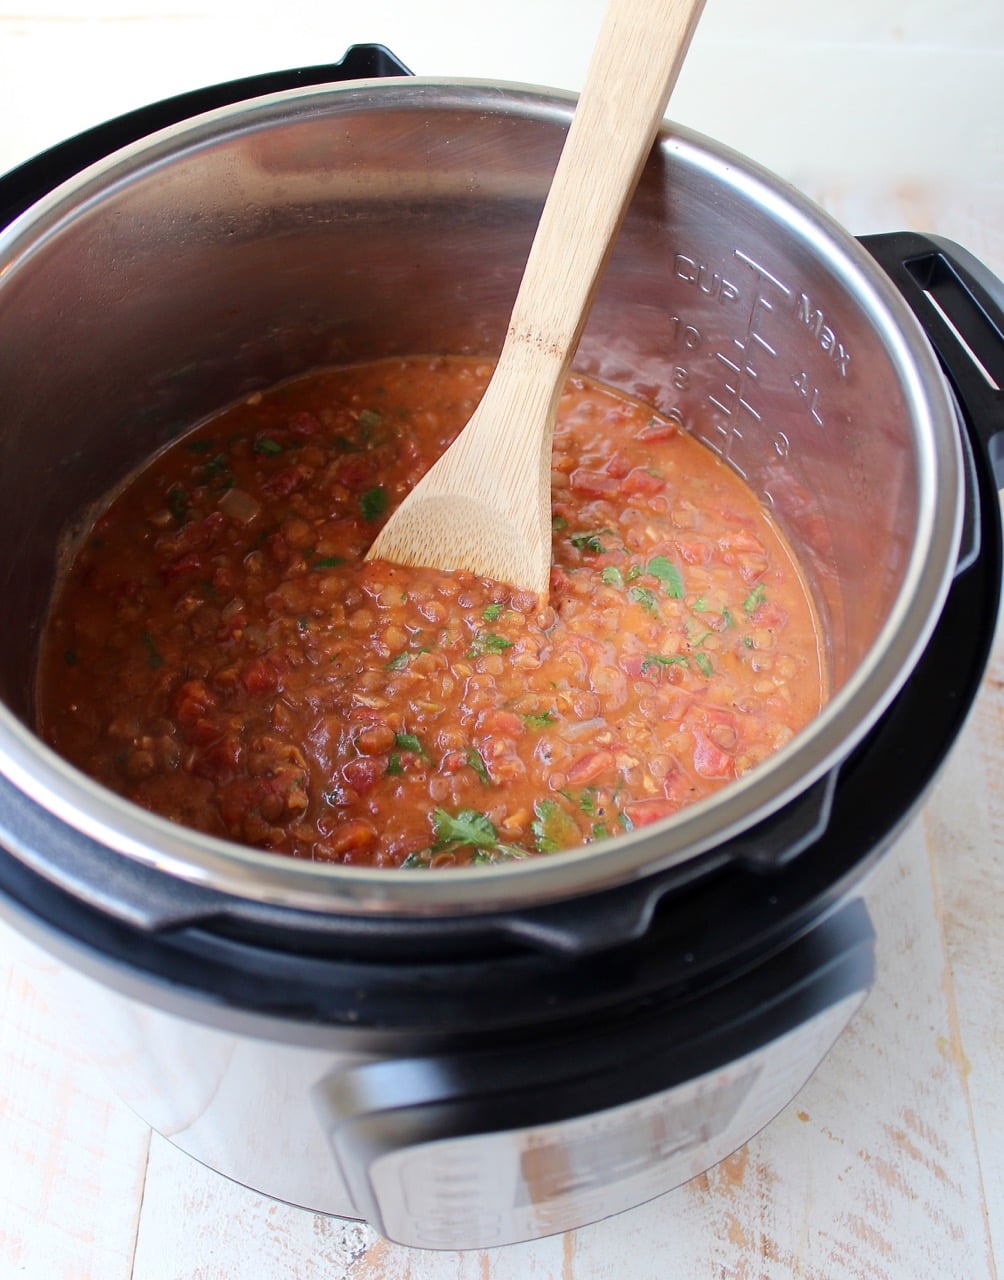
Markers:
(485, 505)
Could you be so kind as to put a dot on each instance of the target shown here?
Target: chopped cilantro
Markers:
(467, 826)
(755, 598)
(704, 662)
(399, 661)
(476, 762)
(153, 658)
(394, 763)
(663, 660)
(466, 829)
(488, 642)
(700, 605)
(727, 618)
(267, 446)
(492, 612)
(668, 574)
(644, 596)
(541, 719)
(587, 801)
(178, 503)
(373, 503)
(553, 828)
(634, 571)
(558, 523)
(327, 562)
(409, 742)
(611, 575)
(590, 541)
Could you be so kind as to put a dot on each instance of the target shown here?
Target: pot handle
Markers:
(960, 304)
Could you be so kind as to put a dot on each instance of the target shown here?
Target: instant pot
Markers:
(474, 1057)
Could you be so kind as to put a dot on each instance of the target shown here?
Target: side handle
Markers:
(960, 304)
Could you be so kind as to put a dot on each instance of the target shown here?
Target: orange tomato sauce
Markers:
(220, 653)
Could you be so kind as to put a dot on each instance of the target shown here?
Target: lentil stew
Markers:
(220, 653)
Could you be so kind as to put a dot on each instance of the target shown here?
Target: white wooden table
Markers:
(890, 1163)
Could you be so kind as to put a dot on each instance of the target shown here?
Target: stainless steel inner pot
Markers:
(341, 223)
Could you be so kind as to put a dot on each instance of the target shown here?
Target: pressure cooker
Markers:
(472, 1057)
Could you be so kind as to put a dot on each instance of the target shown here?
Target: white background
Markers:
(890, 1164)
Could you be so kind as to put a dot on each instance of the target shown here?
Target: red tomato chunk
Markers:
(220, 653)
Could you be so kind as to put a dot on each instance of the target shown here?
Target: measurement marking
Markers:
(762, 271)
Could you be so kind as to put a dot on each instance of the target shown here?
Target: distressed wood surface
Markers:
(889, 1165)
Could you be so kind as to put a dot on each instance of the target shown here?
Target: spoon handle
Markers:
(637, 59)
(485, 504)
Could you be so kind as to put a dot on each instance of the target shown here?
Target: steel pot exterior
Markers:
(350, 222)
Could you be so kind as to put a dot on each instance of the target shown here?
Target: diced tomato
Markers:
(258, 676)
(363, 774)
(500, 721)
(595, 484)
(288, 481)
(641, 481)
(351, 838)
(190, 563)
(589, 767)
(641, 812)
(192, 700)
(358, 472)
(710, 761)
(304, 423)
(618, 466)
(655, 430)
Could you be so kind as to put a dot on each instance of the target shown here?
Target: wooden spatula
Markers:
(485, 505)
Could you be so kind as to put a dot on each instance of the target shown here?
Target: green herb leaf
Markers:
(399, 661)
(501, 853)
(553, 828)
(704, 662)
(153, 658)
(611, 575)
(468, 826)
(540, 720)
(266, 446)
(488, 642)
(394, 763)
(558, 523)
(178, 503)
(409, 742)
(418, 861)
(590, 541)
(492, 612)
(668, 574)
(644, 596)
(328, 562)
(476, 762)
(755, 598)
(373, 503)
(663, 660)
(587, 801)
